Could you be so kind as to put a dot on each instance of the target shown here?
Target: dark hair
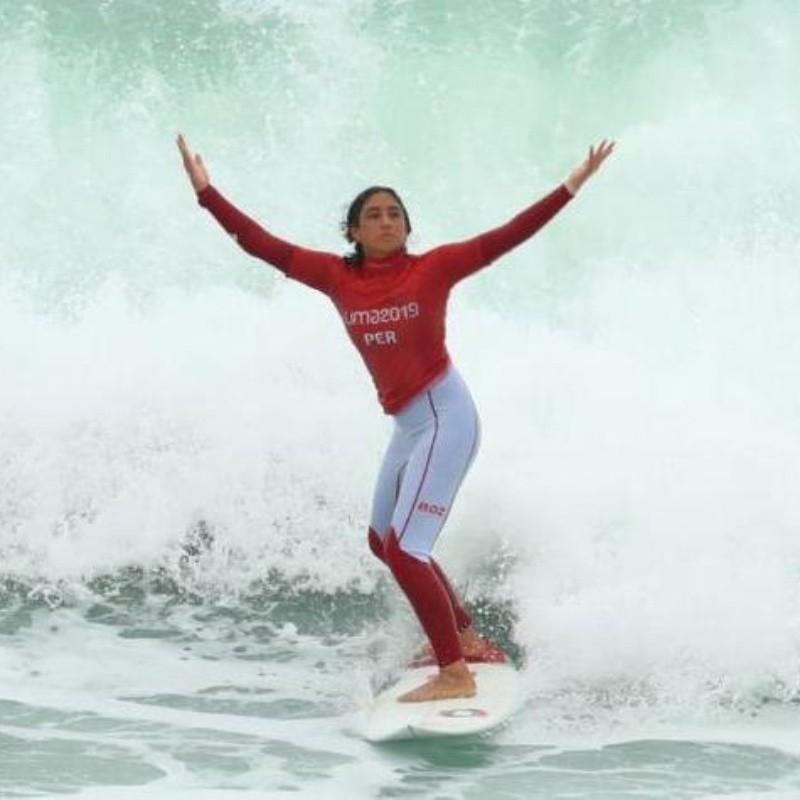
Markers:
(355, 258)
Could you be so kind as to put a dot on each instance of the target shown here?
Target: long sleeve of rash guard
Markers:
(499, 241)
(249, 234)
(464, 258)
(318, 270)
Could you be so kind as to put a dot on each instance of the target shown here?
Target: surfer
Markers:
(393, 306)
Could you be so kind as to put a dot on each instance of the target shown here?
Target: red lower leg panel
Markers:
(376, 545)
(463, 619)
(429, 599)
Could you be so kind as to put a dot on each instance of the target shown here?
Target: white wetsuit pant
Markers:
(436, 437)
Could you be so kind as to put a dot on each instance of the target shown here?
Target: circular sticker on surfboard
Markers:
(461, 713)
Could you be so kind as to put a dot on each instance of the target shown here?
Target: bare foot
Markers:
(472, 645)
(454, 680)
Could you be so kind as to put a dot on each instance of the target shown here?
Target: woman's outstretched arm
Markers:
(464, 258)
(249, 234)
(499, 241)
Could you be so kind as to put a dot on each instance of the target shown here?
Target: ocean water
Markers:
(188, 443)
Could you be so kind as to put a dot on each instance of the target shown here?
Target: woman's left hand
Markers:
(590, 165)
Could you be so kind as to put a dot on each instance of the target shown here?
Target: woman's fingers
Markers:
(183, 147)
(190, 161)
(599, 155)
(193, 164)
(186, 154)
(605, 149)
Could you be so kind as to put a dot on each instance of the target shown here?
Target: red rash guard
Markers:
(394, 307)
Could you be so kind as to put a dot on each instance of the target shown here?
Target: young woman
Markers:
(393, 307)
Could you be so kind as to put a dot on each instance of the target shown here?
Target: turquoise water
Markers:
(188, 444)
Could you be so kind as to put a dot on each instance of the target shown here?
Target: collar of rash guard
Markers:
(377, 266)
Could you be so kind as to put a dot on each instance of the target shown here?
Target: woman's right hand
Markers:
(194, 166)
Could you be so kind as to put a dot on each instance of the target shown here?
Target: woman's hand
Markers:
(194, 166)
(587, 168)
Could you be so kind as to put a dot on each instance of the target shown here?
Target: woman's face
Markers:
(381, 228)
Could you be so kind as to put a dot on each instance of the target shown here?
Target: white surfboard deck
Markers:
(499, 695)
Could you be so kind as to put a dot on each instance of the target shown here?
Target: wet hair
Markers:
(356, 258)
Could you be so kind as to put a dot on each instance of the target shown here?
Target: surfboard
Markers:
(499, 695)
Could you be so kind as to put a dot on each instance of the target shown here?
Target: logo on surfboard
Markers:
(461, 713)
